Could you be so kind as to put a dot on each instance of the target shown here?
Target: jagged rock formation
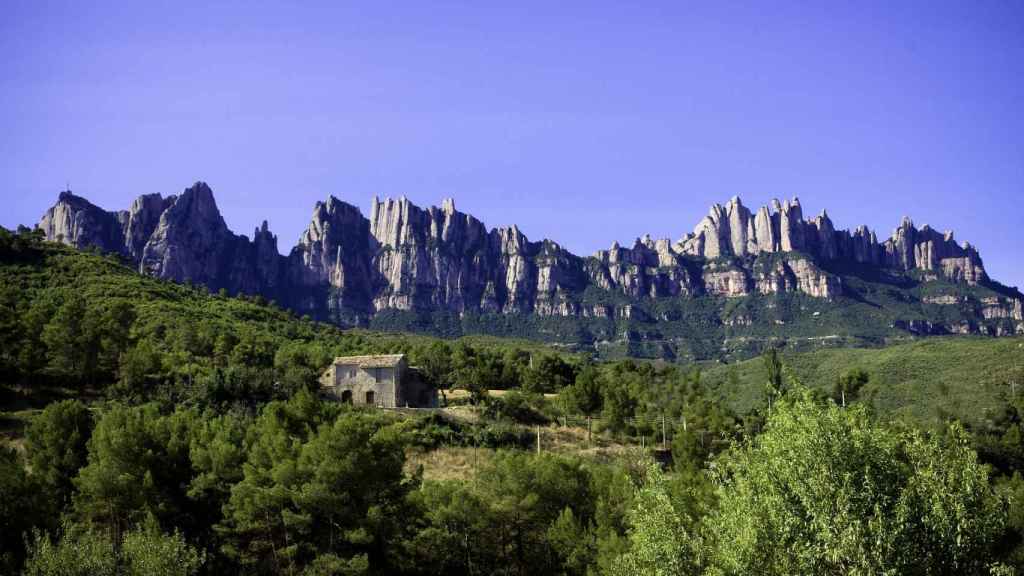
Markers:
(348, 268)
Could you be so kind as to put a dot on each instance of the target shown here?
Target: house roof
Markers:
(377, 361)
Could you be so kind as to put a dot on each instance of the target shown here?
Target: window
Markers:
(369, 398)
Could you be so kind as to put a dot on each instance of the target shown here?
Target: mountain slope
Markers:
(927, 381)
(740, 279)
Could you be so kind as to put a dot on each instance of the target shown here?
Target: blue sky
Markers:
(584, 122)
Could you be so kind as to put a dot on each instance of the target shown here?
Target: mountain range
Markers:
(741, 279)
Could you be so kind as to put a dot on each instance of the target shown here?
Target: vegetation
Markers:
(153, 428)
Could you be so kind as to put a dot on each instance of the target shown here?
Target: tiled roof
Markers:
(378, 361)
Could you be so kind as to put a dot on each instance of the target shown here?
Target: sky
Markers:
(583, 122)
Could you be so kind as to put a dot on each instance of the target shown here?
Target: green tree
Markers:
(659, 544)
(82, 551)
(66, 338)
(773, 368)
(55, 443)
(825, 491)
(306, 495)
(146, 551)
(549, 373)
(20, 508)
(138, 464)
(141, 367)
(32, 352)
(114, 328)
(848, 386)
(77, 552)
(10, 330)
(585, 395)
(435, 363)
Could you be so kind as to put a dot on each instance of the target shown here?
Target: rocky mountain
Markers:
(739, 279)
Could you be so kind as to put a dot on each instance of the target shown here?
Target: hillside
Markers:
(925, 381)
(191, 419)
(83, 322)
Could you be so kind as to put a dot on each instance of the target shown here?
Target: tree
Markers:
(773, 367)
(658, 541)
(474, 372)
(585, 394)
(826, 491)
(513, 520)
(114, 327)
(847, 386)
(144, 551)
(548, 374)
(621, 399)
(32, 352)
(435, 363)
(140, 367)
(20, 507)
(77, 552)
(56, 446)
(299, 365)
(308, 494)
(138, 465)
(66, 338)
(10, 330)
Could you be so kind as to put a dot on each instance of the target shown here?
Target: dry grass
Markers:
(574, 441)
(461, 463)
(448, 463)
(12, 428)
(460, 394)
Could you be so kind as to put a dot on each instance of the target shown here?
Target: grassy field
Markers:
(965, 377)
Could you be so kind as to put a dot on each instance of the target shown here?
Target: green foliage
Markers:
(658, 541)
(337, 489)
(773, 368)
(905, 379)
(548, 373)
(144, 551)
(522, 407)
(525, 514)
(20, 508)
(56, 446)
(78, 552)
(138, 465)
(848, 386)
(212, 451)
(584, 396)
(825, 490)
(139, 339)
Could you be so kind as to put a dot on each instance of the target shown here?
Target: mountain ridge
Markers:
(410, 267)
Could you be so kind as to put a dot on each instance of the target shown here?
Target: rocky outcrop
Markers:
(347, 267)
(731, 231)
(76, 222)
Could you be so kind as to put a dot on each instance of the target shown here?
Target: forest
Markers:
(155, 428)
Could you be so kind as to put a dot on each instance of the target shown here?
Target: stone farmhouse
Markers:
(385, 380)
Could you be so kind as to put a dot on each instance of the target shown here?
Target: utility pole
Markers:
(538, 439)
(590, 429)
(664, 441)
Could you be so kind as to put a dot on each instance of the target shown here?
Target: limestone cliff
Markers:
(349, 268)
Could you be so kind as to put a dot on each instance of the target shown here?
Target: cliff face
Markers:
(348, 268)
